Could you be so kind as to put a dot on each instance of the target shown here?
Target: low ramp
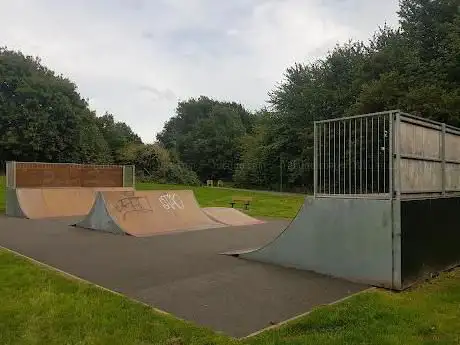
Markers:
(147, 213)
(230, 216)
(37, 203)
(345, 238)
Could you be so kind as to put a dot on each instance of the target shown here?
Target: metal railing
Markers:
(385, 155)
(352, 156)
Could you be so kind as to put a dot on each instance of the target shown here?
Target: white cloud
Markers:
(137, 58)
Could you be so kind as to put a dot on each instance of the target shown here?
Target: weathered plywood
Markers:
(452, 177)
(30, 175)
(420, 176)
(452, 147)
(419, 141)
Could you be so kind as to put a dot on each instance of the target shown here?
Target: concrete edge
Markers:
(283, 323)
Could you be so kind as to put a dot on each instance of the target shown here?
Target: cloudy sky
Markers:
(138, 58)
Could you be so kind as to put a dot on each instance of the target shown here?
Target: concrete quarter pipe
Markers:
(36, 203)
(345, 238)
(146, 213)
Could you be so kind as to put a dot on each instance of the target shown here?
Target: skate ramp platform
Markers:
(343, 238)
(230, 216)
(146, 213)
(53, 202)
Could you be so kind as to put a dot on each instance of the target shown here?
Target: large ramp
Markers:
(37, 203)
(230, 216)
(346, 238)
(147, 213)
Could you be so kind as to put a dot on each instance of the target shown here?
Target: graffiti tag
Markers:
(171, 201)
(130, 204)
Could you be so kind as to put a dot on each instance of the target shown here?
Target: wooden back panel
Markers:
(30, 175)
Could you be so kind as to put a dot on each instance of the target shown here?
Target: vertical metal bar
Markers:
(443, 157)
(398, 155)
(339, 158)
(329, 160)
(361, 155)
(124, 175)
(385, 133)
(349, 158)
(315, 160)
(390, 155)
(320, 175)
(335, 167)
(344, 157)
(324, 158)
(7, 170)
(367, 163)
(134, 176)
(378, 154)
(372, 155)
(354, 121)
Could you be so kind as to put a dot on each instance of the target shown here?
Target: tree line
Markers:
(415, 67)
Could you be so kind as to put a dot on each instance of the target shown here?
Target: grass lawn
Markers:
(264, 204)
(40, 306)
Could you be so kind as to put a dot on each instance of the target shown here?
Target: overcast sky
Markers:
(138, 58)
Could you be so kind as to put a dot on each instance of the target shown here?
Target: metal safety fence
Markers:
(385, 155)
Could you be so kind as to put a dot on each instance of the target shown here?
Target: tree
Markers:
(205, 134)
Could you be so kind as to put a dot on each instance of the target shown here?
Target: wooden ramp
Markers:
(230, 216)
(147, 213)
(37, 203)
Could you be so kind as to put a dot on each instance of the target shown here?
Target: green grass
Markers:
(40, 306)
(264, 204)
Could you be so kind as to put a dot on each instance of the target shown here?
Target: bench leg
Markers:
(246, 206)
(232, 203)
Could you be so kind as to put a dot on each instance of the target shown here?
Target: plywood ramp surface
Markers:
(146, 213)
(230, 216)
(38, 203)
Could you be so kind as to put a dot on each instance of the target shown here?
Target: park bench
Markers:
(245, 200)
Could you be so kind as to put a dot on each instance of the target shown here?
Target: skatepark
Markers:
(160, 247)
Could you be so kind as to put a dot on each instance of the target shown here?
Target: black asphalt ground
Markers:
(183, 273)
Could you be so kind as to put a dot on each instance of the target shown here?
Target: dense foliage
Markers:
(415, 67)
(44, 119)
(205, 134)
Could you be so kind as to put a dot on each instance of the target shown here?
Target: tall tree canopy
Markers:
(43, 118)
(205, 134)
(415, 68)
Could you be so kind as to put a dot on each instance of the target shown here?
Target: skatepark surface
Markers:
(182, 273)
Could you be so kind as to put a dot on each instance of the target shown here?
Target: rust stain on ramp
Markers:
(37, 203)
(147, 213)
(230, 216)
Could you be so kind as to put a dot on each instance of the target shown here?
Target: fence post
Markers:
(315, 158)
(124, 175)
(397, 148)
(443, 157)
(391, 156)
(134, 176)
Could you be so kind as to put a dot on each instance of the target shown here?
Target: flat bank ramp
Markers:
(345, 238)
(147, 213)
(37, 203)
(230, 216)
